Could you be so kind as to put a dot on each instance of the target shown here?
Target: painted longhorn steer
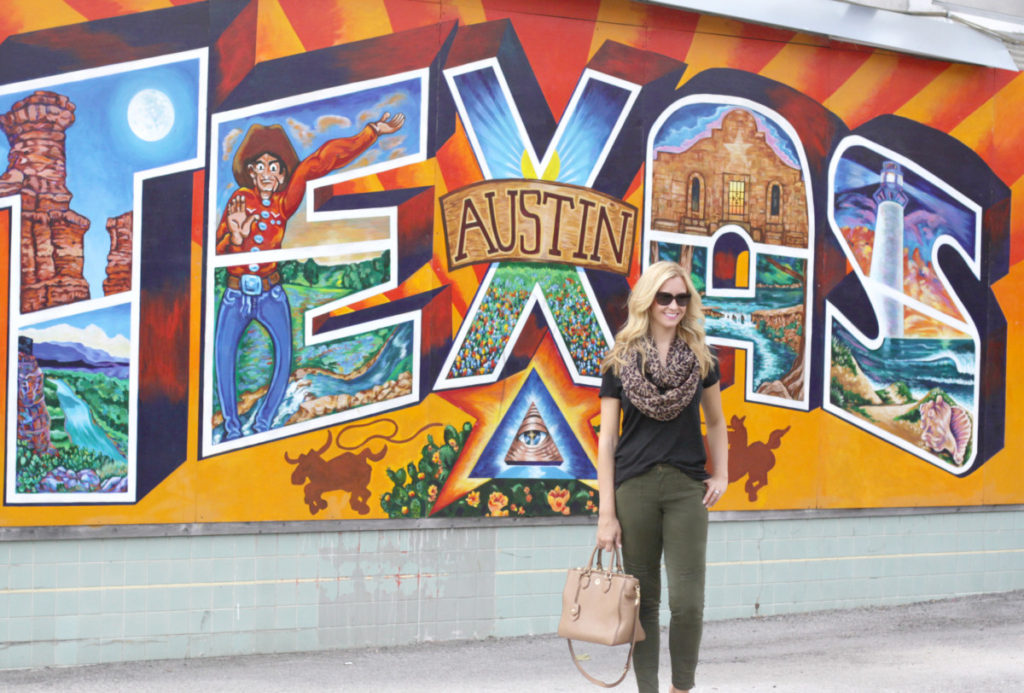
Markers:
(349, 472)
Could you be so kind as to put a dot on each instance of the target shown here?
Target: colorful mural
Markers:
(727, 194)
(74, 322)
(269, 261)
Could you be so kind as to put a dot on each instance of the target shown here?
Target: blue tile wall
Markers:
(72, 602)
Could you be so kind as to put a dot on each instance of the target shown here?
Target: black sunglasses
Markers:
(663, 298)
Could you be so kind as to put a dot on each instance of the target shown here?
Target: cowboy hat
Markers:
(263, 139)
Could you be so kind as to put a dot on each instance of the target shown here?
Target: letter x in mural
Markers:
(543, 238)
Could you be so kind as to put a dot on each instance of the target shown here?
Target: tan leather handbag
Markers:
(601, 606)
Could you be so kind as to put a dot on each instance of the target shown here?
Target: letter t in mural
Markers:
(79, 148)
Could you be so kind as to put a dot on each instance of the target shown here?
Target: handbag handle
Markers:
(616, 562)
(632, 645)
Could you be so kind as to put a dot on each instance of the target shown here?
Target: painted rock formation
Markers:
(329, 404)
(791, 385)
(51, 234)
(33, 417)
(119, 260)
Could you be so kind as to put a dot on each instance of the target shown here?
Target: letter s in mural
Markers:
(325, 266)
(918, 363)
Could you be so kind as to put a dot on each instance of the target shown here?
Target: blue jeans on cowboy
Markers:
(268, 306)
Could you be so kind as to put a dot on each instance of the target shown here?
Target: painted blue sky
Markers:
(115, 321)
(310, 125)
(930, 213)
(587, 131)
(106, 329)
(103, 153)
(694, 122)
(492, 122)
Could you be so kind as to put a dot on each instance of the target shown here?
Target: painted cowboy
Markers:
(272, 182)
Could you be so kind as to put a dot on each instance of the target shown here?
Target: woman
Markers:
(654, 490)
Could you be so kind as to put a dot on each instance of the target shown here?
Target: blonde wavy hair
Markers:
(628, 340)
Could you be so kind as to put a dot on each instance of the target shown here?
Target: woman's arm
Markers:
(609, 534)
(718, 444)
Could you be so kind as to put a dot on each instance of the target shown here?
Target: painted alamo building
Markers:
(732, 177)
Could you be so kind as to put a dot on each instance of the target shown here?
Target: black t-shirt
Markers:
(646, 442)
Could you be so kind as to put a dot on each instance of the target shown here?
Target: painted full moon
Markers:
(150, 115)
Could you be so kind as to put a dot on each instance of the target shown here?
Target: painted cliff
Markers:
(51, 233)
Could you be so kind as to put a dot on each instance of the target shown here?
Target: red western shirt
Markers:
(267, 230)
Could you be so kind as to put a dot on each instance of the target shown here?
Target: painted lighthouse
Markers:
(887, 251)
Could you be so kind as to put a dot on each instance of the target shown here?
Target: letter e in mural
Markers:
(279, 264)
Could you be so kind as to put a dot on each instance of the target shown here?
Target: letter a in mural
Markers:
(728, 198)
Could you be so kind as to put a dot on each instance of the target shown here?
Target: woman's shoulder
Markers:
(611, 385)
(714, 374)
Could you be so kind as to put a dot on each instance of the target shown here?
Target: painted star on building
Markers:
(496, 419)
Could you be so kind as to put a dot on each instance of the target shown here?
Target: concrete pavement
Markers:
(968, 644)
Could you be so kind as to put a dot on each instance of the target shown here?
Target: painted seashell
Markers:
(945, 428)
(935, 434)
(960, 426)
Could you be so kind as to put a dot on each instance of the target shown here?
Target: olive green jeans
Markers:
(662, 511)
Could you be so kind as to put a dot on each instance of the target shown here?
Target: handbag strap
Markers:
(629, 657)
(615, 566)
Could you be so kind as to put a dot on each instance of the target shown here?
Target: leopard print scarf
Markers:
(661, 392)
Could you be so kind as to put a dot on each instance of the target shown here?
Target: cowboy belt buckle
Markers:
(251, 284)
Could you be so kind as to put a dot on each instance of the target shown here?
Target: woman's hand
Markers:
(609, 533)
(714, 488)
